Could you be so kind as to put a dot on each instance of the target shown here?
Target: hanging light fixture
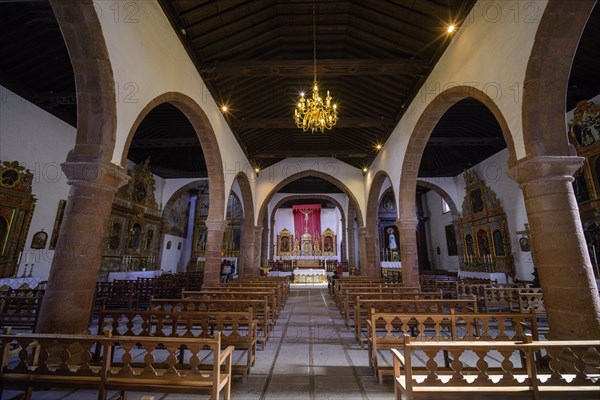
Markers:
(313, 113)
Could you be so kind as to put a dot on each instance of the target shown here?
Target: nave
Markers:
(311, 355)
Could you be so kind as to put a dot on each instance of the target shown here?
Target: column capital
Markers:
(532, 170)
(100, 175)
(362, 230)
(258, 229)
(215, 225)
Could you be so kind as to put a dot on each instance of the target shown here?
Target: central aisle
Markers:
(312, 356)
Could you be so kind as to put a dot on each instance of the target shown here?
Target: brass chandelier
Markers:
(314, 113)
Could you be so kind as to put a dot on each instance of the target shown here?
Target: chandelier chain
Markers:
(312, 113)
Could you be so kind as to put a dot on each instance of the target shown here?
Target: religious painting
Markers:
(476, 200)
(135, 237)
(114, 239)
(7, 215)
(60, 212)
(584, 127)
(149, 239)
(498, 243)
(329, 243)
(483, 244)
(202, 205)
(469, 244)
(451, 240)
(39, 240)
(3, 234)
(201, 232)
(524, 244)
(284, 243)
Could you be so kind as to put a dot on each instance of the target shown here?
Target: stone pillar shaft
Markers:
(408, 252)
(71, 287)
(563, 263)
(214, 245)
(264, 254)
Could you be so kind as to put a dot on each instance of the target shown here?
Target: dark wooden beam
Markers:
(166, 142)
(278, 123)
(309, 153)
(324, 67)
(465, 141)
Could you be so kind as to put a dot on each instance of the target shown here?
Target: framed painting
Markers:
(451, 240)
(329, 243)
(284, 243)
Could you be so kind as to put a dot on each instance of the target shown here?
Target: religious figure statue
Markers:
(392, 245)
(306, 214)
(296, 246)
(316, 247)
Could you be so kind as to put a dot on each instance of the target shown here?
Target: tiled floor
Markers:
(312, 356)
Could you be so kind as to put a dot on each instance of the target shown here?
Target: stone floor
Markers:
(312, 356)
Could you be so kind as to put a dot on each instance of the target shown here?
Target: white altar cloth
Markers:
(309, 271)
(132, 275)
(15, 283)
(391, 264)
(494, 276)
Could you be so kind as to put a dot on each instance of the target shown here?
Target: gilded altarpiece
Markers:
(133, 232)
(584, 135)
(231, 237)
(486, 240)
(16, 209)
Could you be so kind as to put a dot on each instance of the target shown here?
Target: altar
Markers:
(492, 276)
(132, 275)
(20, 283)
(310, 275)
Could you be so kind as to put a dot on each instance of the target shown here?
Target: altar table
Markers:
(391, 264)
(493, 276)
(132, 275)
(16, 283)
(309, 271)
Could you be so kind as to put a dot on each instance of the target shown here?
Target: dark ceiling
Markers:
(256, 57)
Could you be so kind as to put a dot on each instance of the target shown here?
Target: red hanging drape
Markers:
(314, 220)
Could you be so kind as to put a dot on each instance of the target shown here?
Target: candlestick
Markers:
(24, 274)
(19, 259)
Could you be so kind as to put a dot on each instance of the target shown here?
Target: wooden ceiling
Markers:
(256, 56)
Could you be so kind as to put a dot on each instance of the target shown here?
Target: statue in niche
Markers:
(115, 236)
(392, 244)
(135, 237)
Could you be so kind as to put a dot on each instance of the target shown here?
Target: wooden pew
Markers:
(401, 293)
(375, 287)
(260, 308)
(367, 306)
(389, 330)
(55, 361)
(278, 287)
(238, 329)
(551, 370)
(239, 294)
(22, 312)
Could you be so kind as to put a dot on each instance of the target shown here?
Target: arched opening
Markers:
(460, 128)
(375, 240)
(249, 256)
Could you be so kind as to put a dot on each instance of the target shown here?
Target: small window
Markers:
(445, 207)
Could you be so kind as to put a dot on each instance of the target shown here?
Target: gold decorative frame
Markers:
(285, 243)
(329, 245)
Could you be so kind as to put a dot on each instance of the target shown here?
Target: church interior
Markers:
(304, 199)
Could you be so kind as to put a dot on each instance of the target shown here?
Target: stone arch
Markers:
(308, 196)
(94, 80)
(545, 175)
(412, 159)
(372, 246)
(208, 143)
(453, 210)
(544, 88)
(215, 222)
(262, 214)
(93, 179)
(250, 252)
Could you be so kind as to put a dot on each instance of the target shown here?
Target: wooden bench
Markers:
(367, 306)
(142, 364)
(237, 329)
(22, 312)
(260, 308)
(350, 299)
(389, 330)
(548, 370)
(269, 295)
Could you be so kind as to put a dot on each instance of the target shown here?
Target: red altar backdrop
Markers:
(314, 219)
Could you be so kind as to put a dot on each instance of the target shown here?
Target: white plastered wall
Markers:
(148, 60)
(489, 52)
(270, 177)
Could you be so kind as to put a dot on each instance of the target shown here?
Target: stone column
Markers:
(69, 296)
(344, 246)
(350, 240)
(362, 250)
(408, 251)
(257, 249)
(264, 253)
(563, 263)
(214, 246)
